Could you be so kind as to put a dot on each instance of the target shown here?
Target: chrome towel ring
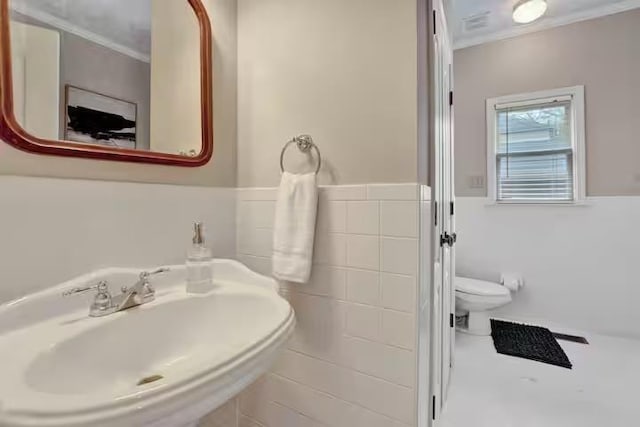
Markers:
(305, 144)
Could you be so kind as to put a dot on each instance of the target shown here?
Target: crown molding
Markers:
(548, 23)
(71, 28)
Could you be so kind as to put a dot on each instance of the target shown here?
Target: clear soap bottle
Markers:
(199, 264)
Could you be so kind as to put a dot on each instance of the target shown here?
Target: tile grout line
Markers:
(349, 368)
(333, 396)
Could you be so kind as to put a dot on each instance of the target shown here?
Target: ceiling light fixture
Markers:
(527, 11)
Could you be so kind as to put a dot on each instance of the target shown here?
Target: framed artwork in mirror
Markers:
(94, 118)
(135, 85)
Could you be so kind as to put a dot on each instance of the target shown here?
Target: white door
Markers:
(443, 296)
(448, 240)
(451, 216)
(437, 191)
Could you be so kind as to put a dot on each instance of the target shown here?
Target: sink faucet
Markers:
(105, 304)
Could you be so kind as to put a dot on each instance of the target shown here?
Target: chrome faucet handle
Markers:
(143, 282)
(102, 303)
(101, 287)
(146, 274)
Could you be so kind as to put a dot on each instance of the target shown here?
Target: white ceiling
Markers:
(499, 24)
(124, 25)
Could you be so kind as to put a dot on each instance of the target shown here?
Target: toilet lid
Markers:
(480, 287)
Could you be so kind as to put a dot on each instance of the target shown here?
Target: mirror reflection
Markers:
(114, 73)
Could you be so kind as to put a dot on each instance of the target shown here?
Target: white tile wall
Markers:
(363, 217)
(352, 360)
(224, 416)
(398, 292)
(398, 255)
(423, 323)
(391, 211)
(363, 252)
(363, 287)
(71, 227)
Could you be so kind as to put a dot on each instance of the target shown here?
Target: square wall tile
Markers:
(224, 416)
(398, 329)
(253, 402)
(363, 321)
(329, 410)
(363, 252)
(282, 416)
(244, 421)
(363, 287)
(399, 219)
(392, 192)
(332, 216)
(320, 326)
(325, 281)
(390, 363)
(372, 393)
(261, 265)
(344, 192)
(255, 241)
(363, 217)
(399, 256)
(330, 248)
(398, 292)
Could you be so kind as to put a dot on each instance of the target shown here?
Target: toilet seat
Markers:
(480, 288)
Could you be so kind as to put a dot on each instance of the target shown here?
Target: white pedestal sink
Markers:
(164, 364)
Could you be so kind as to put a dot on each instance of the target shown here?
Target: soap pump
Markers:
(199, 265)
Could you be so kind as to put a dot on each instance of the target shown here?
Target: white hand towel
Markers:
(294, 228)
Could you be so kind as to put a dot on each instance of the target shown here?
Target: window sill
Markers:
(574, 204)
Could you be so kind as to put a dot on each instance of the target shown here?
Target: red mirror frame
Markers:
(12, 133)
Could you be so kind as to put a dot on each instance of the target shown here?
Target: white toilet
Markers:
(476, 298)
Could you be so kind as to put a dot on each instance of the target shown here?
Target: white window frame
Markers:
(576, 94)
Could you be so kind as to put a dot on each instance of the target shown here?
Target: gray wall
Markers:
(94, 67)
(602, 54)
(344, 72)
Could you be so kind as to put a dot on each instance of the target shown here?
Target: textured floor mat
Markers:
(528, 342)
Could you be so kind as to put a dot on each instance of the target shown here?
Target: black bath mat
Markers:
(528, 342)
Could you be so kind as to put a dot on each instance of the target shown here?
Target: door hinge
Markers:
(435, 207)
(451, 320)
(433, 408)
(452, 208)
(434, 22)
(450, 97)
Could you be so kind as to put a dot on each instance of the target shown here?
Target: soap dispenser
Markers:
(199, 265)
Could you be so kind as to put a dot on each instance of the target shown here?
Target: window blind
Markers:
(534, 154)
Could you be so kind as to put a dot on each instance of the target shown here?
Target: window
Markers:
(536, 147)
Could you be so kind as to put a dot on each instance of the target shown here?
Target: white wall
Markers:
(579, 262)
(352, 360)
(53, 230)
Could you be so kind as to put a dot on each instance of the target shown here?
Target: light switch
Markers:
(476, 181)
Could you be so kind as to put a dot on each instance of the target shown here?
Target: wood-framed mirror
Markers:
(122, 80)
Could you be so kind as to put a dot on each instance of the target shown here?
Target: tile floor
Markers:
(492, 390)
